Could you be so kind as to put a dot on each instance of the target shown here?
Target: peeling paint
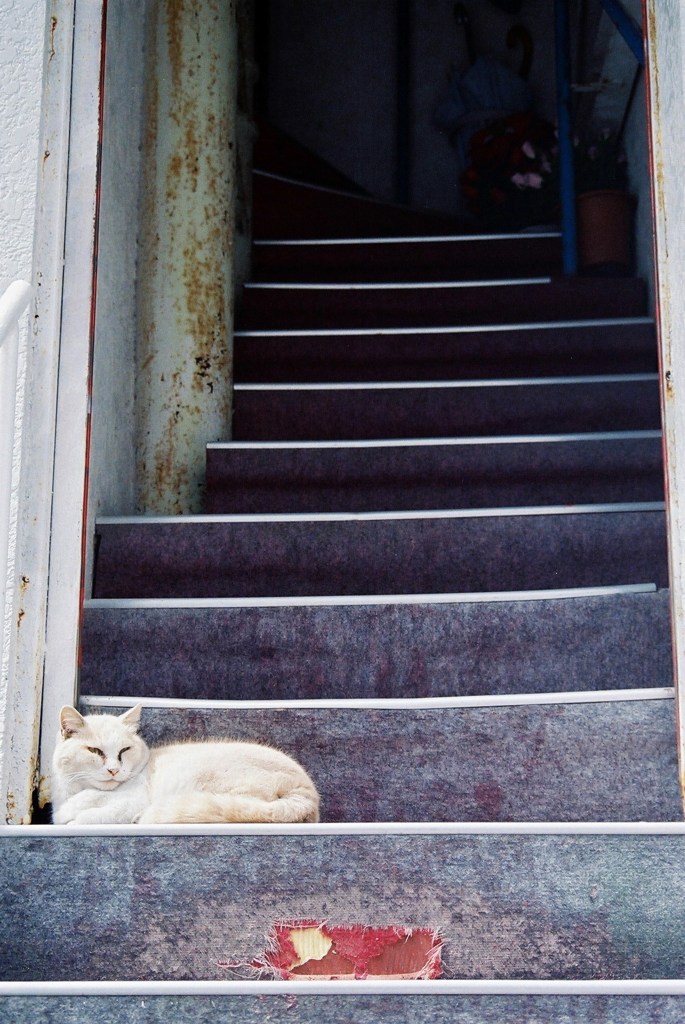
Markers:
(311, 949)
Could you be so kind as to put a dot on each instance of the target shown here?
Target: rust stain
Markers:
(23, 587)
(184, 282)
(175, 11)
(53, 29)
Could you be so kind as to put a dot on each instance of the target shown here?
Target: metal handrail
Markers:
(627, 27)
(13, 304)
(567, 174)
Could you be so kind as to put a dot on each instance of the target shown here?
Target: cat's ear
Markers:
(70, 722)
(131, 719)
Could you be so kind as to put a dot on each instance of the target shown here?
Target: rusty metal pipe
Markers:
(186, 260)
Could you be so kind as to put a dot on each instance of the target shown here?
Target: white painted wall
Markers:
(22, 35)
(21, 78)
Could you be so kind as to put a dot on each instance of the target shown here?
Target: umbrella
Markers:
(486, 92)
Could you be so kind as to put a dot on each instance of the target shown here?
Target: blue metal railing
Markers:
(633, 37)
(631, 32)
(567, 174)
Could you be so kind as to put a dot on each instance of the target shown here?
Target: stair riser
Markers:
(312, 1009)
(378, 651)
(528, 763)
(251, 559)
(442, 412)
(290, 209)
(557, 907)
(472, 355)
(458, 259)
(430, 477)
(577, 298)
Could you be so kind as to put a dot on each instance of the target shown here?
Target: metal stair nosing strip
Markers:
(456, 328)
(361, 989)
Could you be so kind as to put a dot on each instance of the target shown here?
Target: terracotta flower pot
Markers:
(605, 232)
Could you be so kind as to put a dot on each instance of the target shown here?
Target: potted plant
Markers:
(605, 208)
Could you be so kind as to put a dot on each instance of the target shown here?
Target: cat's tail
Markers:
(301, 804)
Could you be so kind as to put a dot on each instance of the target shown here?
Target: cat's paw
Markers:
(62, 818)
(69, 813)
(92, 816)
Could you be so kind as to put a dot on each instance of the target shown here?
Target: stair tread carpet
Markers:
(545, 906)
(559, 761)
(376, 553)
(270, 305)
(321, 412)
(406, 1008)
(625, 345)
(413, 259)
(341, 650)
(444, 473)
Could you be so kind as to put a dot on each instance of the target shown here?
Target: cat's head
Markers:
(99, 751)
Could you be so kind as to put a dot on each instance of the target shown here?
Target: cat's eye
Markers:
(96, 750)
(122, 752)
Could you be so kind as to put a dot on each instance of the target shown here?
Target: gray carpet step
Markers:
(427, 258)
(524, 644)
(308, 306)
(311, 412)
(419, 1007)
(467, 353)
(448, 473)
(559, 761)
(524, 906)
(375, 553)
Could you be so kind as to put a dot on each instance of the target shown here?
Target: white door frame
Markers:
(51, 499)
(54, 472)
(665, 27)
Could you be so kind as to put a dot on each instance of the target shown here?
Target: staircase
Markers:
(433, 568)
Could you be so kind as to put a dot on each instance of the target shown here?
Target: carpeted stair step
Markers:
(509, 902)
(435, 646)
(381, 553)
(310, 306)
(423, 1003)
(427, 258)
(358, 476)
(570, 758)
(445, 353)
(284, 207)
(542, 405)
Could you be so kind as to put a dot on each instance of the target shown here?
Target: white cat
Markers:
(104, 773)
